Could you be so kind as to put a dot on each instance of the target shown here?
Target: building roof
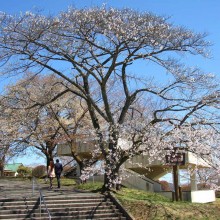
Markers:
(12, 167)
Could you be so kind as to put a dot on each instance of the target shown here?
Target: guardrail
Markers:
(35, 183)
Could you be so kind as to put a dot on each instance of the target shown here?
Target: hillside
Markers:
(151, 206)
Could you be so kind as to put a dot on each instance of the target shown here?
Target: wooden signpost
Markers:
(176, 158)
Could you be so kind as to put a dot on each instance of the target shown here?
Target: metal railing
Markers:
(35, 183)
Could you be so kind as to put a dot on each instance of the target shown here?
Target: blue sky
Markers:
(198, 15)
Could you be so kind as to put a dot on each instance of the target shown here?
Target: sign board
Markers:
(176, 158)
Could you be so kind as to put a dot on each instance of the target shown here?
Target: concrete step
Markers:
(17, 210)
(20, 207)
(72, 194)
(75, 215)
(73, 200)
(68, 218)
(55, 204)
(104, 214)
(81, 215)
(60, 207)
(51, 195)
(63, 204)
(60, 202)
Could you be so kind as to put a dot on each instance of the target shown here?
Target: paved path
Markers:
(11, 188)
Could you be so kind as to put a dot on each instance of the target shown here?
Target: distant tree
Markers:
(208, 178)
(97, 53)
(165, 185)
(186, 187)
(24, 171)
(34, 126)
(2, 162)
(3, 153)
(39, 171)
(8, 133)
(43, 124)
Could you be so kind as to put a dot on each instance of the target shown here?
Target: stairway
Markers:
(19, 203)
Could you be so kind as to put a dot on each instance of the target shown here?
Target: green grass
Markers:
(145, 205)
(64, 182)
(96, 186)
(133, 195)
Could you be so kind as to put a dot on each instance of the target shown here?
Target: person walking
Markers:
(51, 173)
(58, 171)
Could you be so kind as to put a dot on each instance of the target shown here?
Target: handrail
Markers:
(41, 196)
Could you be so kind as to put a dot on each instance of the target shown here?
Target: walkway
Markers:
(19, 200)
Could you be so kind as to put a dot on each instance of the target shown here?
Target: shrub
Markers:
(165, 185)
(39, 171)
(24, 171)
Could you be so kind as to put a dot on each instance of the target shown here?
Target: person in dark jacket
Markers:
(58, 170)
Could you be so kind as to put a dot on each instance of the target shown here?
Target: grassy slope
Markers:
(151, 206)
(145, 205)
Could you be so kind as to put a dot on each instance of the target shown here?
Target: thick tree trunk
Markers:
(112, 160)
(2, 164)
(1, 168)
(112, 179)
(49, 151)
(81, 167)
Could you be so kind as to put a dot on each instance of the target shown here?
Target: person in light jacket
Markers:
(58, 171)
(51, 173)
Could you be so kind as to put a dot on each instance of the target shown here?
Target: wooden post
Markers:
(176, 181)
(176, 157)
(180, 193)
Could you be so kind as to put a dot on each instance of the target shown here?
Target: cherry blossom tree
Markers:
(8, 134)
(3, 153)
(209, 178)
(129, 57)
(42, 124)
